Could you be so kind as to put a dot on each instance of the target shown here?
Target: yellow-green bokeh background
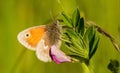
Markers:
(16, 15)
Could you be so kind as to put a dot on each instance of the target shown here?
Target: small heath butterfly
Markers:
(41, 38)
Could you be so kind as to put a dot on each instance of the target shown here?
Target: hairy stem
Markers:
(100, 30)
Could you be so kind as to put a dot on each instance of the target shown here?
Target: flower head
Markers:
(58, 56)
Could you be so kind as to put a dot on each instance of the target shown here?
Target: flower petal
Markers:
(58, 56)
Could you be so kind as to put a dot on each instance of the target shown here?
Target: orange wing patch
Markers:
(35, 36)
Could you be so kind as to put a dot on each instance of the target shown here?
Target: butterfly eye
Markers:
(27, 35)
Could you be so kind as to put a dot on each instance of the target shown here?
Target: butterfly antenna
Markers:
(51, 15)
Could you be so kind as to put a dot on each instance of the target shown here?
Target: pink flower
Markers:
(58, 56)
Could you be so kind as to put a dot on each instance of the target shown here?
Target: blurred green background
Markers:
(16, 15)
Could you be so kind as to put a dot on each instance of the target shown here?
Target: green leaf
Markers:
(93, 45)
(77, 46)
(89, 34)
(75, 17)
(78, 52)
(66, 19)
(75, 38)
(80, 26)
(94, 48)
(91, 39)
(71, 34)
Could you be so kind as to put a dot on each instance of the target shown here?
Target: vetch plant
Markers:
(81, 41)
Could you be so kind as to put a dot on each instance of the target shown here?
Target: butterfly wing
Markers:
(42, 51)
(31, 36)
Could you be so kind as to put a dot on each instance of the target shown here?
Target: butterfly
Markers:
(46, 41)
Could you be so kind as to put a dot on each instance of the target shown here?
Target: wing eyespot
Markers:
(27, 35)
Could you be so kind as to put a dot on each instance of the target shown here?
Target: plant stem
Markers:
(17, 62)
(85, 68)
(100, 30)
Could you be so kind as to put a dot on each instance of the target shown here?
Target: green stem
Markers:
(17, 62)
(85, 68)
